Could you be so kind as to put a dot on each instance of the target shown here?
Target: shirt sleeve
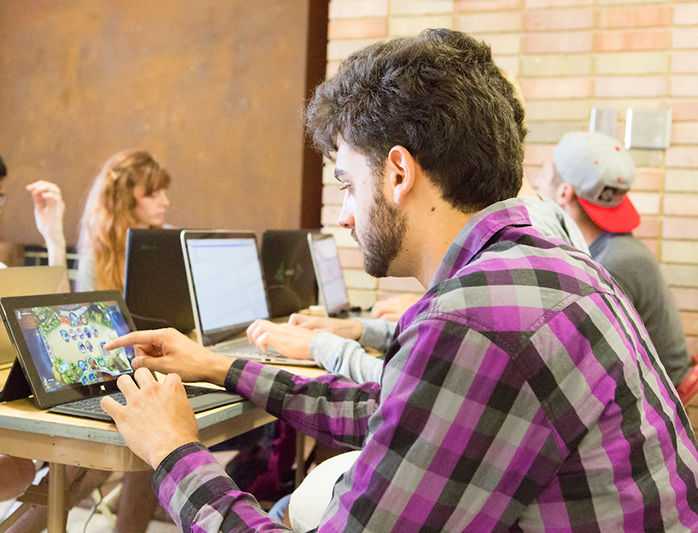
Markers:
(377, 334)
(196, 492)
(345, 357)
(329, 408)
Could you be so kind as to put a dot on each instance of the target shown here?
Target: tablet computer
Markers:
(60, 342)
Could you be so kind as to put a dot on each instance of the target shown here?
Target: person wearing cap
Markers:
(589, 176)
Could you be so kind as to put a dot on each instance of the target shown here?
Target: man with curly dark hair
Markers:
(521, 393)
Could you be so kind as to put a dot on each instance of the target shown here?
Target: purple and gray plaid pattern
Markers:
(522, 393)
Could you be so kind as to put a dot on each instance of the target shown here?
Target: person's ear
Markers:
(401, 172)
(564, 194)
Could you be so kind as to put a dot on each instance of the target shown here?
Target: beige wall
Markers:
(568, 55)
(214, 88)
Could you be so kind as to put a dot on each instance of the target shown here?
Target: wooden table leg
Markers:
(300, 458)
(57, 513)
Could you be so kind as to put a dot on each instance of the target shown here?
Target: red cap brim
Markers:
(620, 219)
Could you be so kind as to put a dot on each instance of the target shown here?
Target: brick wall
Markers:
(569, 55)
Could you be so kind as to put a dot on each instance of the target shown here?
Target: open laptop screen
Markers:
(329, 274)
(228, 283)
(155, 282)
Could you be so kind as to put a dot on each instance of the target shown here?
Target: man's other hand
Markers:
(393, 308)
(348, 329)
(288, 340)
(168, 351)
(157, 418)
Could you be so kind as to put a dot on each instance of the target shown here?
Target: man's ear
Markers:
(401, 172)
(564, 194)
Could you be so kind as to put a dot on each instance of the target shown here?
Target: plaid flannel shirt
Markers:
(522, 393)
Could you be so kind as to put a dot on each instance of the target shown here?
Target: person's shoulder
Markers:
(625, 252)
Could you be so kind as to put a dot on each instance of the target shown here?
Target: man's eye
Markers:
(345, 185)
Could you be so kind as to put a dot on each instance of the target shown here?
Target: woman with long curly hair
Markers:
(129, 192)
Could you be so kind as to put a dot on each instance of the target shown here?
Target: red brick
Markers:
(690, 323)
(686, 299)
(684, 133)
(553, 89)
(629, 86)
(350, 258)
(679, 228)
(684, 110)
(686, 14)
(686, 62)
(558, 42)
(493, 22)
(682, 156)
(330, 214)
(331, 69)
(536, 4)
(479, 6)
(555, 19)
(358, 8)
(400, 285)
(631, 40)
(331, 195)
(685, 38)
(647, 179)
(680, 204)
(653, 246)
(685, 85)
(648, 228)
(537, 154)
(646, 203)
(357, 29)
(634, 17)
(692, 347)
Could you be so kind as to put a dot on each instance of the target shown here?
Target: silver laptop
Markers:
(332, 291)
(227, 291)
(25, 281)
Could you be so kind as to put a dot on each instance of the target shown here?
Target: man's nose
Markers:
(346, 215)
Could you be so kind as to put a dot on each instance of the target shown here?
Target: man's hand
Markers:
(348, 329)
(393, 308)
(157, 418)
(288, 340)
(168, 351)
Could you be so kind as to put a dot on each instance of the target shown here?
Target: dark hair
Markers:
(439, 95)
(3, 169)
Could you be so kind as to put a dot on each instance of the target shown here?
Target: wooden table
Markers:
(61, 440)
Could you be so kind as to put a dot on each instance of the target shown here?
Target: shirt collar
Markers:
(477, 233)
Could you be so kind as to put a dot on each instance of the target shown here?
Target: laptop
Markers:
(155, 282)
(330, 280)
(227, 292)
(21, 281)
(288, 271)
(61, 358)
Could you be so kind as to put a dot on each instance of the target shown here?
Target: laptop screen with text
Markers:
(228, 283)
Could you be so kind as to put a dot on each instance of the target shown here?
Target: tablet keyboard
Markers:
(201, 399)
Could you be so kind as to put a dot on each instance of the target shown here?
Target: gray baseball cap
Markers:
(601, 171)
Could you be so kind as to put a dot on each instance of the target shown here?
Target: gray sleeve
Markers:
(378, 333)
(549, 218)
(345, 357)
(86, 274)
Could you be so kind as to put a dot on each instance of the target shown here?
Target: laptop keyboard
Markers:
(233, 349)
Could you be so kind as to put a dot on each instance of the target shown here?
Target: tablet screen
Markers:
(66, 343)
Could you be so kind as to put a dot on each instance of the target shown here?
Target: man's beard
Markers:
(382, 240)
